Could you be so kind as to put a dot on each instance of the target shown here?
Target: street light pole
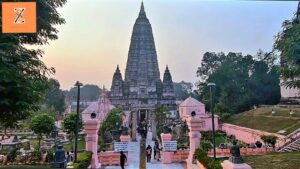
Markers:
(78, 84)
(211, 86)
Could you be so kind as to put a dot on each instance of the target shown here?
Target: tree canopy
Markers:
(88, 92)
(23, 76)
(41, 124)
(183, 90)
(288, 44)
(55, 96)
(241, 81)
(69, 123)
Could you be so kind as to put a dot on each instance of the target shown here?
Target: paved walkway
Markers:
(134, 157)
(159, 165)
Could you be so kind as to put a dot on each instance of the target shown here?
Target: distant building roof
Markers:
(191, 102)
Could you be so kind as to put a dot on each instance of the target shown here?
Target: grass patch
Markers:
(274, 160)
(81, 145)
(262, 119)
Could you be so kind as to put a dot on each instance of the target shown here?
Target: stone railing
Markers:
(243, 151)
(180, 156)
(249, 135)
(108, 158)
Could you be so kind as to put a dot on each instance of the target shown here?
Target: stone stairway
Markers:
(293, 146)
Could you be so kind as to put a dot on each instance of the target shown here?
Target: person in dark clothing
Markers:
(154, 149)
(148, 153)
(123, 160)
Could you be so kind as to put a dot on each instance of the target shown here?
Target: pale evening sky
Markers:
(97, 34)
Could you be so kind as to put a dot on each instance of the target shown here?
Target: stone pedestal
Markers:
(195, 124)
(229, 165)
(125, 138)
(166, 156)
(91, 127)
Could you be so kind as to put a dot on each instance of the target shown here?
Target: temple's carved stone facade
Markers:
(142, 87)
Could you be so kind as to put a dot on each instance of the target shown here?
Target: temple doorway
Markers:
(142, 115)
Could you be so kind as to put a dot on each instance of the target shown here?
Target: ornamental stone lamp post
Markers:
(166, 136)
(91, 127)
(194, 124)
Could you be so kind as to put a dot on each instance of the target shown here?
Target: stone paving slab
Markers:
(134, 158)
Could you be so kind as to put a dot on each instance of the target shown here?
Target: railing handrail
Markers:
(293, 133)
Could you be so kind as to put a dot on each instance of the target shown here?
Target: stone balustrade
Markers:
(108, 158)
(180, 156)
(248, 135)
(243, 151)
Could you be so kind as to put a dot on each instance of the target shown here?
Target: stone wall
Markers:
(248, 135)
(244, 151)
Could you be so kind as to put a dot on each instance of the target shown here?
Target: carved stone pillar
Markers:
(166, 156)
(91, 127)
(195, 125)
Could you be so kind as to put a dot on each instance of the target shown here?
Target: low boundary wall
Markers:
(243, 151)
(110, 158)
(249, 135)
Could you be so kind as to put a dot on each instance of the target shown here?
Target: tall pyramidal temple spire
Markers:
(142, 65)
(142, 90)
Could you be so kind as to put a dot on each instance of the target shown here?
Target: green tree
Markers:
(113, 121)
(41, 124)
(88, 92)
(113, 118)
(55, 97)
(288, 44)
(183, 90)
(23, 76)
(69, 124)
(241, 81)
(160, 119)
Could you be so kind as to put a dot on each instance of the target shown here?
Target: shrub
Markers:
(258, 144)
(83, 160)
(50, 155)
(269, 140)
(36, 154)
(209, 163)
(11, 156)
(206, 145)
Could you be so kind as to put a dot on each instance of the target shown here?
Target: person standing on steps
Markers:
(148, 153)
(123, 160)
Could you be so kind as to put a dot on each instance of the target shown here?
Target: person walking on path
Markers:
(156, 151)
(148, 153)
(123, 160)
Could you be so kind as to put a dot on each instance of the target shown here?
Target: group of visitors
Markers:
(69, 156)
(156, 150)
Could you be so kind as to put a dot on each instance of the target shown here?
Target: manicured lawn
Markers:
(25, 166)
(81, 145)
(274, 161)
(262, 119)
